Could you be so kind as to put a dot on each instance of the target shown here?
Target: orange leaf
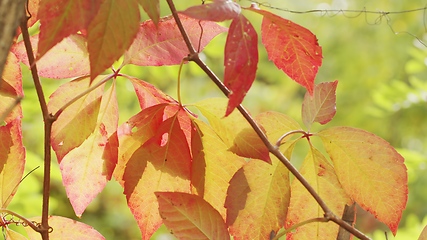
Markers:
(256, 204)
(94, 160)
(190, 217)
(217, 11)
(152, 8)
(320, 174)
(321, 107)
(291, 47)
(163, 44)
(111, 32)
(65, 229)
(162, 163)
(213, 167)
(72, 52)
(240, 60)
(61, 18)
(370, 170)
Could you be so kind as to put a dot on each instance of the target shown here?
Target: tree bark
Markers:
(11, 12)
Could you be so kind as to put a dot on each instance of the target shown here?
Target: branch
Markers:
(48, 121)
(193, 56)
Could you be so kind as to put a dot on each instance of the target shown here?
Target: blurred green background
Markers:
(382, 89)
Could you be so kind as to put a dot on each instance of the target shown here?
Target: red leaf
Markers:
(152, 8)
(321, 107)
(163, 44)
(217, 11)
(240, 60)
(72, 52)
(190, 217)
(163, 161)
(292, 48)
(66, 229)
(61, 18)
(111, 32)
(370, 171)
(148, 95)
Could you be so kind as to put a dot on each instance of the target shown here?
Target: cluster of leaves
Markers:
(172, 165)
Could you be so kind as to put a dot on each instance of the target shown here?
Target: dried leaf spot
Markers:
(164, 139)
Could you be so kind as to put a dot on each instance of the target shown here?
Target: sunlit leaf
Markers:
(257, 200)
(66, 229)
(320, 174)
(111, 32)
(12, 235)
(190, 217)
(248, 144)
(240, 60)
(163, 44)
(94, 160)
(162, 163)
(292, 48)
(82, 115)
(213, 167)
(72, 52)
(423, 235)
(148, 95)
(321, 106)
(371, 172)
(226, 128)
(217, 11)
(61, 18)
(152, 8)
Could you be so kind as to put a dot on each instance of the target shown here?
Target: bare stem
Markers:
(193, 56)
(48, 121)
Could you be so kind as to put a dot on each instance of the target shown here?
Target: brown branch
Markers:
(48, 121)
(193, 56)
(10, 16)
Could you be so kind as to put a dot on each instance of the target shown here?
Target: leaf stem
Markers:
(26, 221)
(279, 141)
(193, 56)
(48, 121)
(179, 82)
(93, 87)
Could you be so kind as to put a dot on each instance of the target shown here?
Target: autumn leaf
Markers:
(370, 171)
(248, 144)
(60, 19)
(216, 11)
(152, 8)
(226, 128)
(94, 160)
(181, 213)
(256, 204)
(66, 229)
(9, 234)
(240, 60)
(163, 161)
(213, 166)
(111, 32)
(163, 44)
(12, 151)
(423, 235)
(320, 107)
(320, 174)
(291, 47)
(71, 50)
(81, 115)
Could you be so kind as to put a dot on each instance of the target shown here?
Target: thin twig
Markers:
(193, 56)
(48, 121)
(26, 221)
